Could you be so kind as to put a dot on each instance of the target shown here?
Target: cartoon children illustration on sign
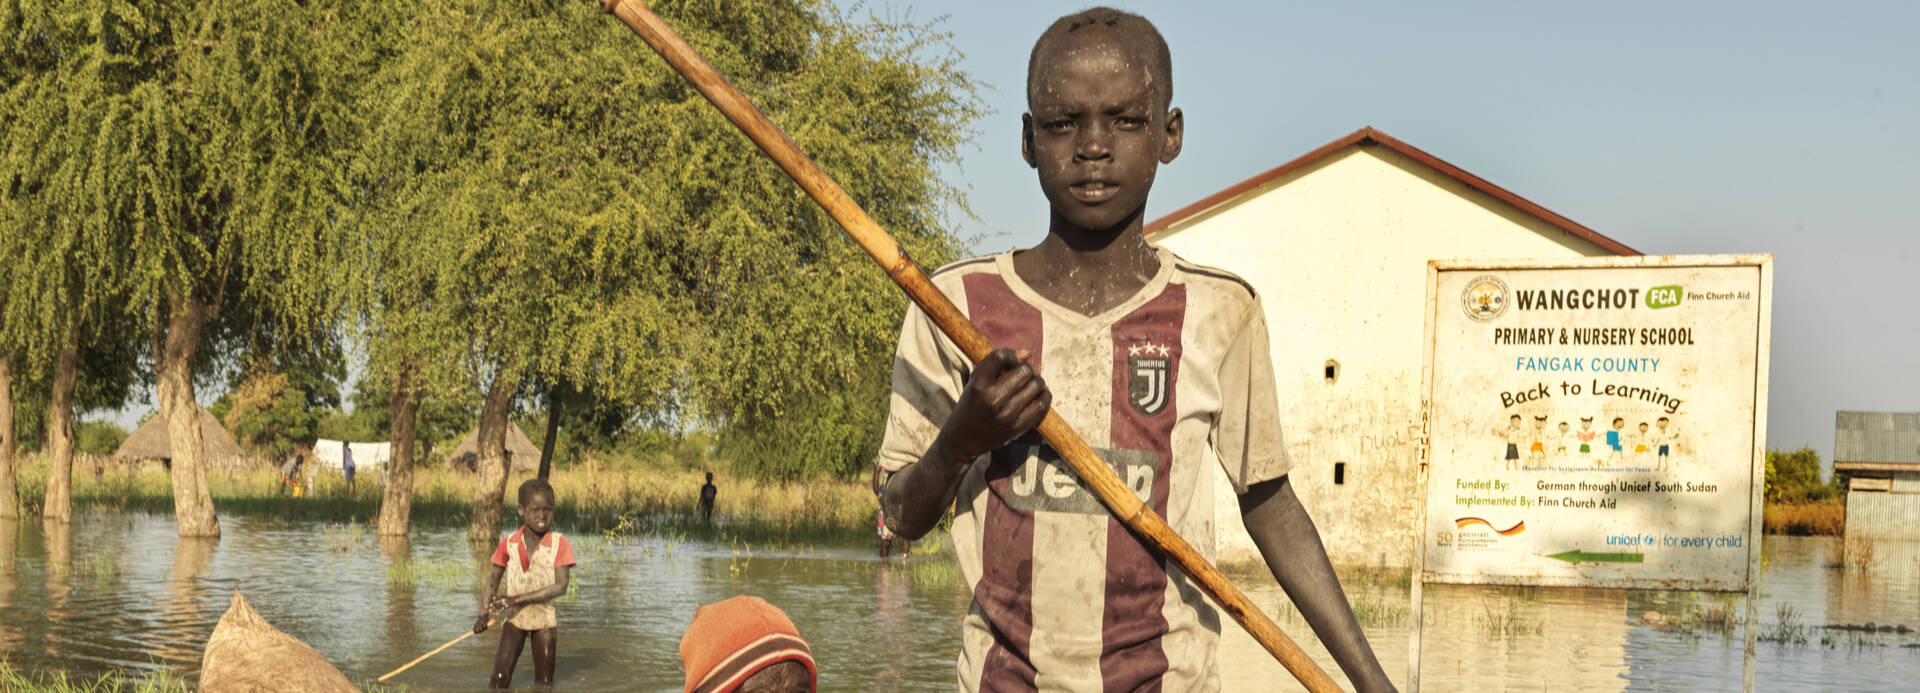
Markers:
(1613, 441)
(1513, 436)
(1668, 437)
(1537, 453)
(1586, 436)
(1640, 443)
(1560, 443)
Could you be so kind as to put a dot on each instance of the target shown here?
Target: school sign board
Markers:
(1596, 422)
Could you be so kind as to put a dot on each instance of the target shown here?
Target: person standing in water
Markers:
(708, 493)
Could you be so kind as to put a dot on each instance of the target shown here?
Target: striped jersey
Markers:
(1164, 386)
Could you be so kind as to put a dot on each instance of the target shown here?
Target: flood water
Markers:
(120, 591)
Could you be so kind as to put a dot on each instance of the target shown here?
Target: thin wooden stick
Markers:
(868, 233)
(491, 622)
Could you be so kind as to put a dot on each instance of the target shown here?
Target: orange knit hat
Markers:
(731, 639)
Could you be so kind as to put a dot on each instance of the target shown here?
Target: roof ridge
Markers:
(1369, 136)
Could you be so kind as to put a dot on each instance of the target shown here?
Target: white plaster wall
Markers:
(1338, 252)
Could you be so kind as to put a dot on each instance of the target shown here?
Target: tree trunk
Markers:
(192, 500)
(396, 508)
(9, 491)
(556, 398)
(484, 526)
(58, 506)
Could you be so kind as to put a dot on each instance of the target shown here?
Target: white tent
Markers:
(366, 456)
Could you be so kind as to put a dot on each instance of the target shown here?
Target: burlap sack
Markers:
(248, 655)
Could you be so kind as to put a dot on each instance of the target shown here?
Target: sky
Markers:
(1675, 128)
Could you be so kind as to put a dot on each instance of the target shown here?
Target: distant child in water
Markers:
(708, 493)
(536, 563)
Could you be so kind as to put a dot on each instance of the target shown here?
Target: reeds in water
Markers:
(161, 681)
(1810, 518)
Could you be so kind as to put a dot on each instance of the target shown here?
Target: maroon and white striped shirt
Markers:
(1164, 386)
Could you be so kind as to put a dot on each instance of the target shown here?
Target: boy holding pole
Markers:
(536, 564)
(1162, 363)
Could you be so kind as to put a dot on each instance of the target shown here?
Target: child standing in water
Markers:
(1163, 362)
(536, 563)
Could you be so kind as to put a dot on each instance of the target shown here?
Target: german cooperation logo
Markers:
(1485, 298)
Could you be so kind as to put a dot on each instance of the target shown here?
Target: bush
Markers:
(1794, 477)
(98, 437)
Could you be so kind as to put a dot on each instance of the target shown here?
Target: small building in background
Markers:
(1337, 242)
(151, 441)
(1880, 451)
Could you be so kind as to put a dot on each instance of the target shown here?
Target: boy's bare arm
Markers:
(1003, 399)
(561, 575)
(1291, 546)
(486, 597)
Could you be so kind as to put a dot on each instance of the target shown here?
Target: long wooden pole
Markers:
(1099, 477)
(450, 643)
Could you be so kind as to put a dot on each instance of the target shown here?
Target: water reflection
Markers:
(59, 545)
(182, 633)
(1872, 575)
(876, 625)
(1524, 638)
(402, 635)
(892, 604)
(10, 635)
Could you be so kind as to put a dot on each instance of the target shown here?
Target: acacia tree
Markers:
(59, 249)
(594, 226)
(212, 178)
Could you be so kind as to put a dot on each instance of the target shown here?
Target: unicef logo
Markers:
(1485, 298)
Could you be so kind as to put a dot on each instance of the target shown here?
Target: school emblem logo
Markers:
(1149, 373)
(1485, 298)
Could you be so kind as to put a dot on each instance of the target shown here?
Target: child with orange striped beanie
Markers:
(745, 645)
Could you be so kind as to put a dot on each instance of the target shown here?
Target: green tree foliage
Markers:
(588, 219)
(444, 417)
(1793, 476)
(194, 153)
(99, 437)
(276, 401)
(59, 328)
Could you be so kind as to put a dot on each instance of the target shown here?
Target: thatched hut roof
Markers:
(522, 454)
(152, 442)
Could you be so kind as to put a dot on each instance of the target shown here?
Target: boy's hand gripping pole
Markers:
(875, 240)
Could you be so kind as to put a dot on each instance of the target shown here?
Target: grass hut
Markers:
(522, 454)
(151, 442)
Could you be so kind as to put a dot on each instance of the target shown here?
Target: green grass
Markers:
(451, 574)
(17, 681)
(1370, 611)
(99, 569)
(343, 538)
(1786, 629)
(1505, 623)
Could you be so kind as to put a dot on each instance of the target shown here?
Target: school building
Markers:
(1881, 450)
(1337, 243)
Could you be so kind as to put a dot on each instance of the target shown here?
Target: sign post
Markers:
(1595, 422)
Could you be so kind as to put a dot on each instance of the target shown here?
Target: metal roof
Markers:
(1876, 437)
